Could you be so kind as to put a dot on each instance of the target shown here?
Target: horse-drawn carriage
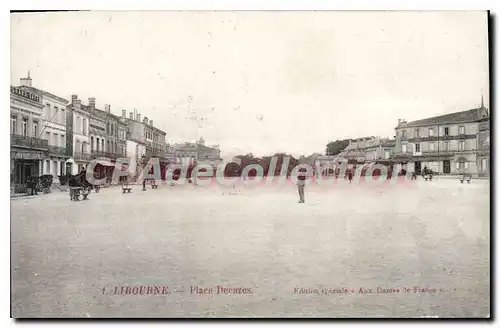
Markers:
(34, 184)
(79, 186)
(465, 177)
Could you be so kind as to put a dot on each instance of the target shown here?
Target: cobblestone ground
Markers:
(427, 235)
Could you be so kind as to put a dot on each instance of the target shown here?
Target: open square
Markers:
(292, 257)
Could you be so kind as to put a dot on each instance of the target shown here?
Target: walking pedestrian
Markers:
(301, 181)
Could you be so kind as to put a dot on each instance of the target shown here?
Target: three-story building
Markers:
(77, 139)
(446, 144)
(144, 141)
(27, 150)
(52, 128)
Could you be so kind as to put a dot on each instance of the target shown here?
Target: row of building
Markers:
(51, 135)
(448, 144)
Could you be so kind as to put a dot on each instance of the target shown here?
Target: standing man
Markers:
(349, 174)
(301, 181)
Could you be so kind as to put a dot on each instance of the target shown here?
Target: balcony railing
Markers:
(28, 142)
(111, 155)
(83, 156)
(59, 151)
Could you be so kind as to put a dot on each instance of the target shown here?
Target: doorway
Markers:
(418, 167)
(446, 167)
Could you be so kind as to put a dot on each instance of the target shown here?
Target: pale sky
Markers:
(263, 82)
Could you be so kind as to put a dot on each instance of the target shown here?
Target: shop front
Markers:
(24, 164)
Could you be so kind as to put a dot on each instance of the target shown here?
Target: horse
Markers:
(78, 182)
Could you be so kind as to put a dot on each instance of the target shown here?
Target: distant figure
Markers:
(426, 170)
(349, 175)
(301, 181)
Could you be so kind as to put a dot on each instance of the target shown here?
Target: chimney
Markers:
(145, 120)
(107, 108)
(73, 98)
(131, 115)
(77, 104)
(151, 122)
(138, 117)
(26, 81)
(91, 103)
(124, 113)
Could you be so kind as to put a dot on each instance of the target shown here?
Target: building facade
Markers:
(483, 148)
(77, 140)
(105, 139)
(27, 151)
(368, 149)
(52, 128)
(144, 141)
(446, 144)
(189, 153)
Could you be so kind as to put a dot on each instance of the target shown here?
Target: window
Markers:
(63, 142)
(446, 146)
(461, 129)
(84, 128)
(417, 148)
(56, 139)
(417, 133)
(107, 145)
(431, 146)
(403, 134)
(431, 132)
(78, 126)
(446, 131)
(483, 164)
(47, 136)
(102, 143)
(92, 144)
(55, 118)
(48, 111)
(387, 154)
(403, 149)
(25, 127)
(35, 129)
(13, 125)
(62, 118)
(97, 144)
(461, 145)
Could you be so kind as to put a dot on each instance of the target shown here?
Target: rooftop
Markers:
(470, 115)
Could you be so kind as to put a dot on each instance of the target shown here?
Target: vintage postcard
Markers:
(250, 164)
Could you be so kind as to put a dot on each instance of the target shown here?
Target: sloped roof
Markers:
(470, 115)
